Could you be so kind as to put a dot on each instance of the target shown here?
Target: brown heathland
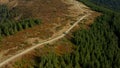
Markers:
(56, 16)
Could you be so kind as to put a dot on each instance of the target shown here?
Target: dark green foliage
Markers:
(111, 4)
(104, 8)
(9, 26)
(53, 61)
(97, 47)
(6, 14)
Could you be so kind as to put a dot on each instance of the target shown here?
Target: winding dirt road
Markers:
(42, 43)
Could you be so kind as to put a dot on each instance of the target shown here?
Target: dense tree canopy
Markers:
(8, 26)
(97, 47)
(111, 4)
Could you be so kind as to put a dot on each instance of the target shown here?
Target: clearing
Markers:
(56, 17)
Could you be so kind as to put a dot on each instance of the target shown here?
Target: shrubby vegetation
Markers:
(97, 47)
(6, 13)
(9, 27)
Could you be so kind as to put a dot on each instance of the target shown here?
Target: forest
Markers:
(8, 26)
(111, 4)
(97, 47)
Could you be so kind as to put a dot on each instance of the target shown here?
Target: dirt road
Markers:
(42, 43)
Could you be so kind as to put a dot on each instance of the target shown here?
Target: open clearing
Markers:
(42, 43)
(56, 17)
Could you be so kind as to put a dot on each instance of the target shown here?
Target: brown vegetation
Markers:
(53, 13)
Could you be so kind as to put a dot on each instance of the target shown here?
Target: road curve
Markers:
(46, 42)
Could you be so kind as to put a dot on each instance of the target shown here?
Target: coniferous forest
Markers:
(8, 26)
(97, 47)
(111, 4)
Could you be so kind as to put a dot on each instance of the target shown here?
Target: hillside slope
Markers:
(56, 17)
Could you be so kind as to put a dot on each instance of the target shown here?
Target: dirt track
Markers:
(46, 42)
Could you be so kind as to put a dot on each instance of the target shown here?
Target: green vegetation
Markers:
(6, 13)
(100, 8)
(111, 4)
(97, 47)
(8, 26)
